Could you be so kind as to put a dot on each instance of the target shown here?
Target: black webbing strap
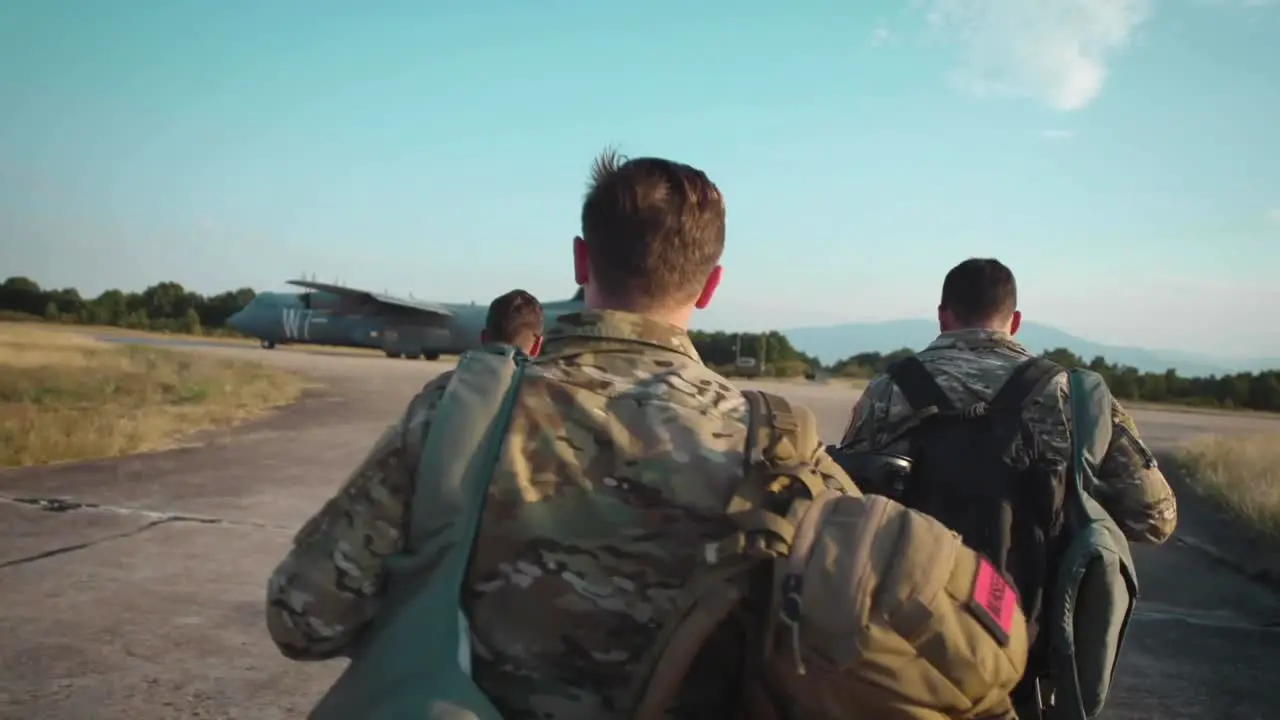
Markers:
(1027, 381)
(918, 386)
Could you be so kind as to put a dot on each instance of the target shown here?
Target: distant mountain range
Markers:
(834, 342)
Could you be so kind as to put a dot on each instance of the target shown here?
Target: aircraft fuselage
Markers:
(323, 319)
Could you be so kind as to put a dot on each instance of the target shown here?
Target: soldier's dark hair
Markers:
(979, 291)
(514, 318)
(654, 229)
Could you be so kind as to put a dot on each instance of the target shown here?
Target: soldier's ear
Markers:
(1016, 322)
(945, 321)
(581, 261)
(709, 287)
(536, 347)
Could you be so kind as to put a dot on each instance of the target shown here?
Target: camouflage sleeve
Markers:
(327, 588)
(869, 417)
(1131, 486)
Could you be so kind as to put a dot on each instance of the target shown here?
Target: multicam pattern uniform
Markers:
(970, 366)
(622, 453)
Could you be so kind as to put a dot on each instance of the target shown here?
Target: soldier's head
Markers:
(514, 319)
(979, 293)
(652, 236)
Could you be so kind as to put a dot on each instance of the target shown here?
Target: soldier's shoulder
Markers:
(881, 400)
(646, 373)
(879, 388)
(1058, 385)
(979, 362)
(437, 384)
(427, 398)
(650, 403)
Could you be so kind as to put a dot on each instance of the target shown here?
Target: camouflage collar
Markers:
(976, 339)
(616, 326)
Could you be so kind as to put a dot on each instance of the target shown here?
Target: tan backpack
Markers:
(856, 608)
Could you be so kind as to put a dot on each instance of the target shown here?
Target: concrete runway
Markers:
(145, 601)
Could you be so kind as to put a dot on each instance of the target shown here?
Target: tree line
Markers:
(1251, 391)
(165, 307)
(169, 307)
(771, 354)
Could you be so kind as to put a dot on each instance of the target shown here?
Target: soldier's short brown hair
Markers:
(654, 229)
(980, 290)
(513, 318)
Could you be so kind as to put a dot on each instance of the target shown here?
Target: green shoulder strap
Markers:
(1097, 585)
(413, 661)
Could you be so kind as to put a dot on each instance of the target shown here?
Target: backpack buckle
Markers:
(790, 610)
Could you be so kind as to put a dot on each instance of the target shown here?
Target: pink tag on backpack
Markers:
(994, 601)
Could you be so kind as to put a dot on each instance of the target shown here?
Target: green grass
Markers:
(64, 396)
(1240, 474)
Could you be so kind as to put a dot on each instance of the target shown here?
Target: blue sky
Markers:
(1121, 156)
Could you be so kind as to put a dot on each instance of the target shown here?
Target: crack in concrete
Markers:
(79, 546)
(1264, 577)
(61, 505)
(1225, 619)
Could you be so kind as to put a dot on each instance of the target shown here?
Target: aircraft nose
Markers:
(237, 321)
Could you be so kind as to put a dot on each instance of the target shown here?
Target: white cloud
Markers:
(880, 36)
(1055, 51)
(1057, 134)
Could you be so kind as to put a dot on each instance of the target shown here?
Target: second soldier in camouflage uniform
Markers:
(622, 453)
(970, 360)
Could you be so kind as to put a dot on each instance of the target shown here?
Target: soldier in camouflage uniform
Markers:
(622, 453)
(972, 358)
(514, 318)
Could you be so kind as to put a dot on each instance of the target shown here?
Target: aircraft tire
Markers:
(267, 345)
(432, 356)
(392, 354)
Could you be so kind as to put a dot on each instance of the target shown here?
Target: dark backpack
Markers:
(982, 472)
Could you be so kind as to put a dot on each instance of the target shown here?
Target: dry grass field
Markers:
(1241, 473)
(64, 396)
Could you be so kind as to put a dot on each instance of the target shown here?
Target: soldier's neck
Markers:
(977, 328)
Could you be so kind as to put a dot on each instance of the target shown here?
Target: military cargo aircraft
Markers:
(335, 315)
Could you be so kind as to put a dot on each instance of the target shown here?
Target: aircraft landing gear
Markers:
(392, 354)
(412, 356)
(267, 345)
(432, 356)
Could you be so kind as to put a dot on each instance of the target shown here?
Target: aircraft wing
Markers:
(372, 297)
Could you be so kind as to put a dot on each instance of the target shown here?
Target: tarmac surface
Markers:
(133, 588)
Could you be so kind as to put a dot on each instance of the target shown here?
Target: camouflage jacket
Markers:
(622, 453)
(970, 366)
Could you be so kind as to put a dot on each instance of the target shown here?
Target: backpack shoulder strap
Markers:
(424, 584)
(472, 420)
(1026, 382)
(777, 472)
(776, 468)
(1091, 427)
(1086, 638)
(918, 386)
